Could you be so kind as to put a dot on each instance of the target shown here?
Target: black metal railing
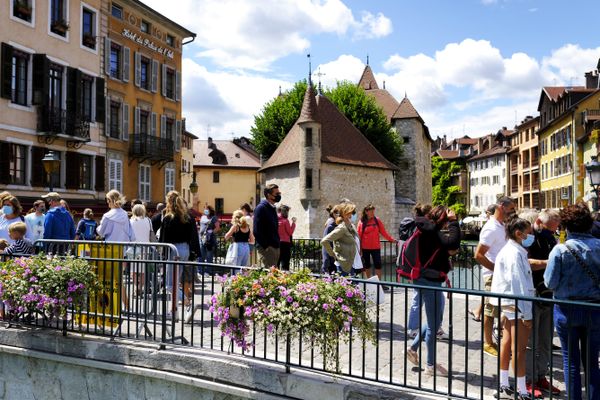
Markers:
(151, 147)
(55, 121)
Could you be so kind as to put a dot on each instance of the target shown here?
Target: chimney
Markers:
(591, 80)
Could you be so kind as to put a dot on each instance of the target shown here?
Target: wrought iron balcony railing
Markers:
(54, 121)
(153, 148)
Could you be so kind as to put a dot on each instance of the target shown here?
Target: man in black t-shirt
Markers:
(544, 229)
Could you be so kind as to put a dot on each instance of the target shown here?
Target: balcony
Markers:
(54, 122)
(157, 150)
(591, 115)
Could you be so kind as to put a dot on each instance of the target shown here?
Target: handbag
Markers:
(153, 238)
(583, 265)
(231, 256)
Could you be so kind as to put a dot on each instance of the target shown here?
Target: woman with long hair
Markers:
(11, 213)
(346, 243)
(115, 226)
(370, 228)
(242, 236)
(179, 229)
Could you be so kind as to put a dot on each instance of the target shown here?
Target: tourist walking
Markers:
(492, 239)
(35, 221)
(573, 273)
(286, 231)
(370, 228)
(328, 266)
(512, 276)
(437, 245)
(11, 213)
(209, 227)
(345, 240)
(144, 233)
(241, 234)
(179, 229)
(58, 224)
(86, 228)
(266, 227)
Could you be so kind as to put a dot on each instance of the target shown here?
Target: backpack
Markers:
(89, 229)
(409, 264)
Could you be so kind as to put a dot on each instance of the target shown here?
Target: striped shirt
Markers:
(21, 246)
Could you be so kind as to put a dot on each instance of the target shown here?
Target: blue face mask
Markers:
(528, 241)
(206, 212)
(353, 218)
(7, 210)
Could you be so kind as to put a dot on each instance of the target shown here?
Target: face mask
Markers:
(277, 198)
(7, 210)
(528, 241)
(353, 218)
(206, 212)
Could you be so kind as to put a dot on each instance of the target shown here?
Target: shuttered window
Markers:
(115, 175)
(169, 180)
(13, 163)
(144, 182)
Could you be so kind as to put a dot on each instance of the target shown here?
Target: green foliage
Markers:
(279, 115)
(444, 193)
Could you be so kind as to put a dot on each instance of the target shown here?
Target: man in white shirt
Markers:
(491, 240)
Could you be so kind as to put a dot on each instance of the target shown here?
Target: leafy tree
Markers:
(279, 115)
(444, 193)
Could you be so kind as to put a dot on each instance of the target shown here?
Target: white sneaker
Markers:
(441, 335)
(189, 314)
(412, 333)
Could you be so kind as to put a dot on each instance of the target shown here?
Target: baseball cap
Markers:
(52, 196)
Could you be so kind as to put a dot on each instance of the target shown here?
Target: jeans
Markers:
(415, 309)
(243, 254)
(579, 331)
(206, 256)
(541, 337)
(184, 254)
(433, 300)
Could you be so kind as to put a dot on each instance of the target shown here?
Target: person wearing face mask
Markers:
(209, 227)
(346, 242)
(513, 276)
(11, 213)
(59, 223)
(285, 237)
(35, 221)
(492, 239)
(266, 227)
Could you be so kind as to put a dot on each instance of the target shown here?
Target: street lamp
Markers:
(593, 170)
(194, 184)
(51, 163)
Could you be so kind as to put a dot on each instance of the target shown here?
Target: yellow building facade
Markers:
(142, 57)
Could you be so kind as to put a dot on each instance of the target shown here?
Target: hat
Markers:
(51, 196)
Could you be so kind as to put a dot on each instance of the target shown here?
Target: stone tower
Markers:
(310, 151)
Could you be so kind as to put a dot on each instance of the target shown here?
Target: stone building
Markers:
(324, 158)
(415, 162)
(524, 164)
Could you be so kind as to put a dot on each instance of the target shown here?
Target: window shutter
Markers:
(38, 174)
(125, 120)
(100, 174)
(107, 45)
(40, 80)
(137, 57)
(6, 71)
(119, 176)
(112, 165)
(177, 135)
(72, 170)
(4, 162)
(178, 86)
(153, 125)
(163, 126)
(136, 120)
(125, 64)
(107, 117)
(164, 80)
(141, 182)
(73, 91)
(155, 65)
(100, 103)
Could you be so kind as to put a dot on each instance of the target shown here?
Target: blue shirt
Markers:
(266, 225)
(566, 276)
(59, 224)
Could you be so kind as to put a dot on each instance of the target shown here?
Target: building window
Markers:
(16, 163)
(115, 175)
(22, 9)
(56, 86)
(309, 179)
(308, 139)
(87, 92)
(170, 128)
(115, 60)
(170, 40)
(58, 20)
(88, 37)
(216, 176)
(20, 67)
(85, 172)
(219, 206)
(144, 116)
(117, 11)
(145, 27)
(144, 179)
(169, 180)
(145, 72)
(170, 84)
(115, 120)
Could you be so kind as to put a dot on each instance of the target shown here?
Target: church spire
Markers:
(309, 70)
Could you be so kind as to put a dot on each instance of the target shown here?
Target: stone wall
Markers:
(413, 180)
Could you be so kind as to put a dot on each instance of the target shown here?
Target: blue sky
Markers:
(468, 66)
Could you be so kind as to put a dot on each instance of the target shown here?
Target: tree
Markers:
(280, 114)
(444, 193)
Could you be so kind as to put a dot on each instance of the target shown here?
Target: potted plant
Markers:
(60, 26)
(22, 9)
(89, 40)
(321, 309)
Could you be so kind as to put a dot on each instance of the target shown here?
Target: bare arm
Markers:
(481, 258)
(537, 265)
(229, 234)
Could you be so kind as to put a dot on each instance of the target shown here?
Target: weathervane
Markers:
(319, 74)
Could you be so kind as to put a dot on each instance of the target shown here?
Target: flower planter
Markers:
(22, 11)
(60, 27)
(89, 41)
(234, 312)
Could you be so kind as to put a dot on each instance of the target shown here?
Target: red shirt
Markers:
(285, 229)
(369, 234)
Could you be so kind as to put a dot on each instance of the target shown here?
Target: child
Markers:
(17, 231)
(512, 275)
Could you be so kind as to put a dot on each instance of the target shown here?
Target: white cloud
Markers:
(567, 64)
(242, 34)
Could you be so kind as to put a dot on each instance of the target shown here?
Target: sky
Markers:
(470, 67)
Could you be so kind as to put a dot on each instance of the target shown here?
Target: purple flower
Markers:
(339, 300)
(58, 268)
(33, 279)
(325, 306)
(349, 294)
(289, 299)
(270, 328)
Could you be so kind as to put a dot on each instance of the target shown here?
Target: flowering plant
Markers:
(323, 309)
(46, 285)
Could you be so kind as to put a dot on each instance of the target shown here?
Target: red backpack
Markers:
(409, 263)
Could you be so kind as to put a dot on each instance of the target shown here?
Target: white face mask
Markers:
(353, 218)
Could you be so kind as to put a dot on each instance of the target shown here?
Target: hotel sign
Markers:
(147, 43)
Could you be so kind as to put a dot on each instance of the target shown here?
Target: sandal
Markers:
(473, 317)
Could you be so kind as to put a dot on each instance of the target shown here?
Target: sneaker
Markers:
(385, 288)
(490, 349)
(537, 394)
(412, 333)
(441, 335)
(545, 385)
(412, 356)
(438, 370)
(505, 392)
(524, 396)
(189, 314)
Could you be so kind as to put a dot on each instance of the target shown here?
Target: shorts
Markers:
(489, 309)
(374, 254)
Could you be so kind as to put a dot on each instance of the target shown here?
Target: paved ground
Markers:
(472, 372)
